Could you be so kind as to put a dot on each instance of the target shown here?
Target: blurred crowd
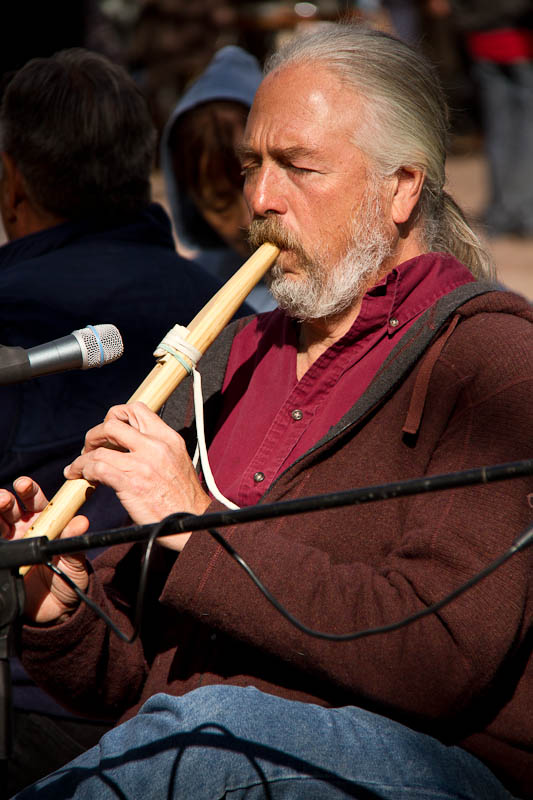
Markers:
(167, 45)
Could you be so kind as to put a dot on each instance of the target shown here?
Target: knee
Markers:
(208, 705)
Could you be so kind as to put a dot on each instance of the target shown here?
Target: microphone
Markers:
(88, 347)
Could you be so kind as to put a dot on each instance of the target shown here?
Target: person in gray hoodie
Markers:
(201, 171)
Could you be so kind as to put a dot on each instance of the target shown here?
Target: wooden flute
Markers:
(163, 379)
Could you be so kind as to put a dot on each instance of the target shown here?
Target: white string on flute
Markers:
(175, 343)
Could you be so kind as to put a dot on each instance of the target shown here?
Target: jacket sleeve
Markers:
(81, 662)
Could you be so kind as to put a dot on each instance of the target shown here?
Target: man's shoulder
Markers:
(499, 315)
(120, 256)
(495, 336)
(483, 309)
(498, 300)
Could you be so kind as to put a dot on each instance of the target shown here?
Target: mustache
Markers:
(272, 230)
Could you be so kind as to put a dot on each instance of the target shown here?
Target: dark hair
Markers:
(81, 134)
(202, 143)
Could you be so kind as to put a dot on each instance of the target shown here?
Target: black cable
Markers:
(524, 540)
(519, 544)
(137, 619)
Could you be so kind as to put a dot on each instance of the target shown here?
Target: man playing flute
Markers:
(392, 355)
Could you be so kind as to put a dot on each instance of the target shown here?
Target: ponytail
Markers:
(448, 231)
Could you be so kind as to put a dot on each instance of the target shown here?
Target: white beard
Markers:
(328, 289)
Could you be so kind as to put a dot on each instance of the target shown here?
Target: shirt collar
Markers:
(407, 291)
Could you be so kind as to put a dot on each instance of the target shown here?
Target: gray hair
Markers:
(404, 122)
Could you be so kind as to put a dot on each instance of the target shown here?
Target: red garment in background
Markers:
(502, 45)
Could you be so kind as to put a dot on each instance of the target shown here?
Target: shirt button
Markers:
(296, 414)
(393, 322)
(259, 476)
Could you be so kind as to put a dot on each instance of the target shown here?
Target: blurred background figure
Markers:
(202, 172)
(499, 40)
(35, 29)
(405, 20)
(402, 17)
(86, 245)
(172, 42)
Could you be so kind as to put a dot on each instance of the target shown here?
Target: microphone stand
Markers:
(11, 607)
(39, 549)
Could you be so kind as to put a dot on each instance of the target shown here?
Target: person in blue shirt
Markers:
(86, 246)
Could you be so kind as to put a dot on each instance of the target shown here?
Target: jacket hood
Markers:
(233, 74)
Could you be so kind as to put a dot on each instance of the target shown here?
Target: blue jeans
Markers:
(231, 742)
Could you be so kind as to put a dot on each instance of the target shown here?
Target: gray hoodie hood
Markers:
(233, 74)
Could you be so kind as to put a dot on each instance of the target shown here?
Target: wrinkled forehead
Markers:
(303, 97)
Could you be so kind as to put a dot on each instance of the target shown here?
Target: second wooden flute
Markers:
(164, 378)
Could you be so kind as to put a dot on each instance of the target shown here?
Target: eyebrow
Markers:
(242, 151)
(280, 153)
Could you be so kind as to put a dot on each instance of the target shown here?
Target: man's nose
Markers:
(264, 193)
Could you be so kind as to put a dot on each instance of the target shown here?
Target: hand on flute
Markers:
(48, 598)
(146, 463)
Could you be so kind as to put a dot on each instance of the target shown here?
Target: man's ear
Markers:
(20, 214)
(407, 188)
(13, 189)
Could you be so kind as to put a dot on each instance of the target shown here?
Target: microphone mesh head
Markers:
(100, 344)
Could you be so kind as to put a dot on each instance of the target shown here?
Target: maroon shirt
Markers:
(270, 419)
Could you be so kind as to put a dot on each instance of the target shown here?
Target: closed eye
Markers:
(294, 168)
(248, 169)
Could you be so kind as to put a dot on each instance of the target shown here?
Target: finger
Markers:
(21, 507)
(114, 434)
(9, 513)
(102, 465)
(137, 415)
(103, 435)
(140, 418)
(128, 428)
(77, 526)
(30, 494)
